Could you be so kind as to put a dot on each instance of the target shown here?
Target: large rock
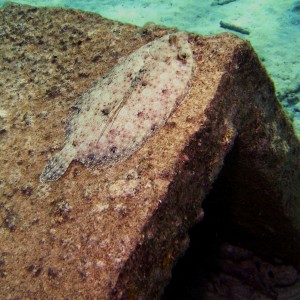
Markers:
(112, 233)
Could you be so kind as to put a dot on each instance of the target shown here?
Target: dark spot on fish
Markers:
(105, 111)
(153, 127)
(113, 149)
(62, 166)
(182, 55)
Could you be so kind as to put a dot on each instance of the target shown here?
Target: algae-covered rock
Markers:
(115, 233)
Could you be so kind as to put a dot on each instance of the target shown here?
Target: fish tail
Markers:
(57, 166)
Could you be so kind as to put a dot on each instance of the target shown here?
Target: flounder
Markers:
(121, 111)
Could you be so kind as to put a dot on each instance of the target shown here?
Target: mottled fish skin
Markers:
(117, 115)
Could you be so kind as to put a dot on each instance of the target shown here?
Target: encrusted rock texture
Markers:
(115, 233)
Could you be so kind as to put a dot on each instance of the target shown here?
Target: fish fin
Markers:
(57, 166)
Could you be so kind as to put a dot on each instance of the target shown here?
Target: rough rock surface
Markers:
(112, 233)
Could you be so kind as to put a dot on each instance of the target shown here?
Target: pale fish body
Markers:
(117, 115)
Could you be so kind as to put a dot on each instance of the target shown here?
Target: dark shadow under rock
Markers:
(217, 266)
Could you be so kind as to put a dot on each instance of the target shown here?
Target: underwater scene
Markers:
(272, 27)
(150, 149)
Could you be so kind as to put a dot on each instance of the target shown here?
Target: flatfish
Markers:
(129, 104)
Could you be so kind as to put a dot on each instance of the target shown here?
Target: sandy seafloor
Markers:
(274, 27)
